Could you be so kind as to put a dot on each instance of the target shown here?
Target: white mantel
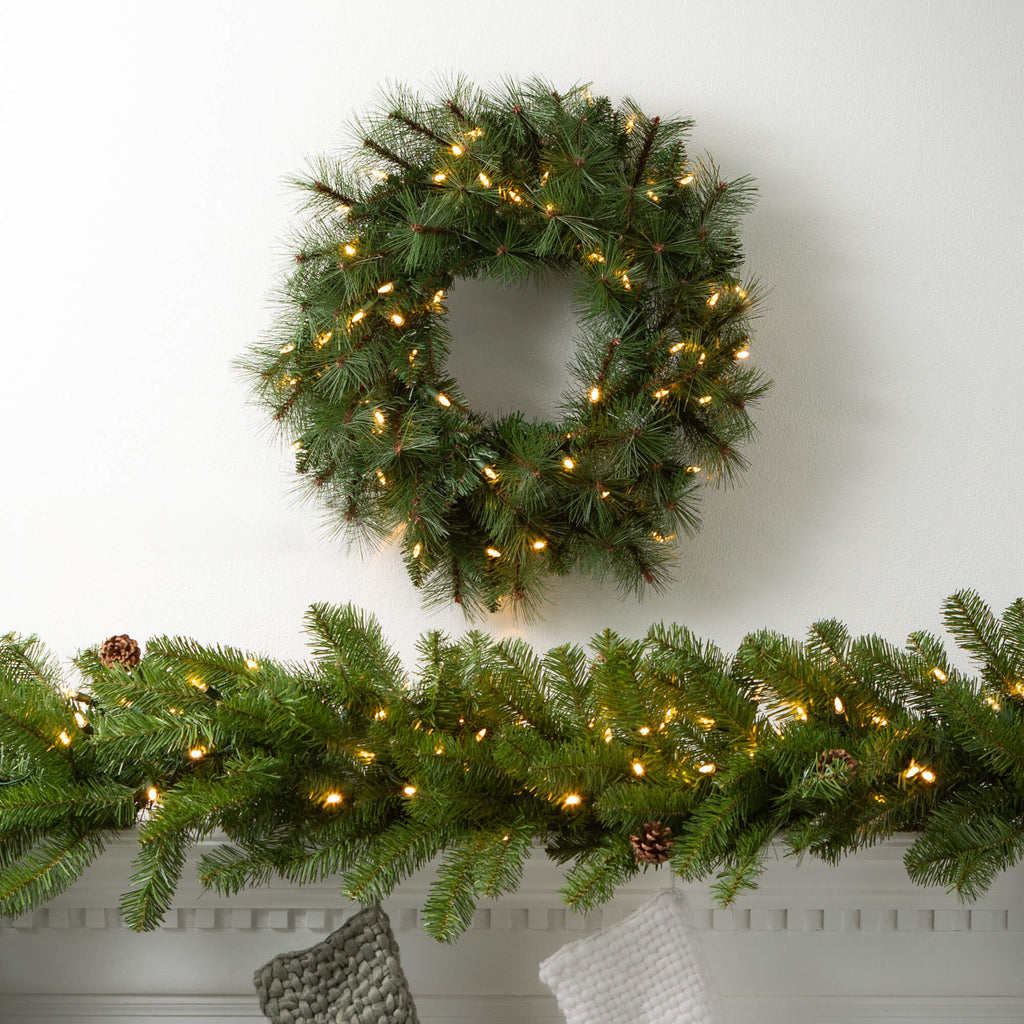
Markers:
(814, 944)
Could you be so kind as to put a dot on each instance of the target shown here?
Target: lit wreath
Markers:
(506, 187)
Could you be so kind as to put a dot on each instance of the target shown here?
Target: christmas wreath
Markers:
(507, 187)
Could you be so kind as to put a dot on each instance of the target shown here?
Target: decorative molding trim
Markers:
(242, 1009)
(547, 915)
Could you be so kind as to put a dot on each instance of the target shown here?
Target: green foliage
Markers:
(349, 769)
(510, 186)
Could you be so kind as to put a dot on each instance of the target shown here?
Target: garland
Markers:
(644, 751)
(507, 187)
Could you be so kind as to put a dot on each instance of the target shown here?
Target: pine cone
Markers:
(120, 650)
(831, 757)
(652, 844)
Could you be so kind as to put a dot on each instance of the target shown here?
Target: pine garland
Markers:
(612, 759)
(506, 187)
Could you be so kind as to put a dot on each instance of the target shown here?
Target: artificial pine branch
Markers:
(351, 767)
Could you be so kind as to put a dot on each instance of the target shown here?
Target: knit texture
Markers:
(647, 969)
(352, 977)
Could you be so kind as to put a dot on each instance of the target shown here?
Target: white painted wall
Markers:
(142, 153)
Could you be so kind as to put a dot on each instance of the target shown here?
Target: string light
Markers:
(740, 292)
(604, 494)
(196, 753)
(913, 770)
(939, 674)
(413, 354)
(439, 177)
(444, 400)
(342, 209)
(457, 150)
(380, 714)
(625, 282)
(358, 316)
(505, 839)
(595, 257)
(879, 720)
(704, 400)
(438, 296)
(800, 713)
(484, 180)
(713, 301)
(494, 553)
(706, 769)
(927, 775)
(638, 768)
(349, 249)
(397, 319)
(153, 794)
(439, 750)
(481, 734)
(644, 730)
(573, 800)
(409, 790)
(389, 286)
(80, 720)
(677, 347)
(992, 703)
(489, 472)
(544, 180)
(661, 393)
(333, 798)
(569, 464)
(608, 735)
(285, 349)
(595, 394)
(838, 705)
(379, 416)
(654, 197)
(65, 738)
(688, 180)
(539, 545)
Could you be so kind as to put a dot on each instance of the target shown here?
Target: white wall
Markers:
(142, 153)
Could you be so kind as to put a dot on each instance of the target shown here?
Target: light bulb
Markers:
(879, 720)
(704, 400)
(625, 282)
(604, 494)
(409, 790)
(444, 400)
(322, 338)
(992, 703)
(927, 775)
(285, 349)
(630, 125)
(572, 800)
(688, 180)
(438, 296)
(80, 720)
(366, 756)
(595, 257)
(333, 798)
(638, 768)
(489, 472)
(385, 288)
(480, 735)
(196, 753)
(152, 794)
(397, 319)
(838, 705)
(743, 353)
(706, 769)
(494, 553)
(457, 150)
(416, 549)
(661, 393)
(653, 196)
(539, 545)
(380, 713)
(439, 177)
(595, 394)
(713, 301)
(505, 839)
(693, 469)
(568, 464)
(800, 713)
(939, 674)
(608, 735)
(914, 769)
(644, 730)
(484, 180)
(65, 738)
(358, 316)
(349, 250)
(439, 750)
(378, 416)
(297, 446)
(677, 347)
(342, 209)
(382, 478)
